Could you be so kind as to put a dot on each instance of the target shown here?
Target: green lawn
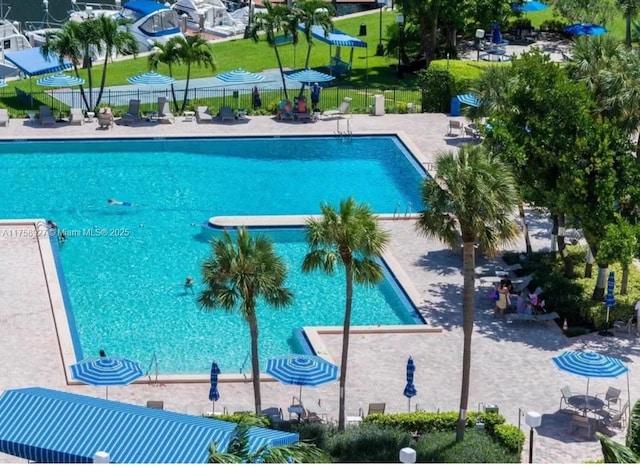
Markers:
(616, 28)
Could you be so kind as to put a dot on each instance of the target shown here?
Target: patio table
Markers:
(586, 403)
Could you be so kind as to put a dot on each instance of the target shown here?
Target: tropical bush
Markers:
(476, 448)
(367, 443)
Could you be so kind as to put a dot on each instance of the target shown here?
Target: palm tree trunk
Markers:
(562, 247)
(255, 364)
(284, 84)
(624, 282)
(627, 38)
(88, 65)
(525, 229)
(186, 87)
(346, 328)
(468, 303)
(588, 267)
(103, 80)
(82, 93)
(554, 237)
(598, 290)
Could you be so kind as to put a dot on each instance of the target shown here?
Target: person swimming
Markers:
(188, 283)
(115, 202)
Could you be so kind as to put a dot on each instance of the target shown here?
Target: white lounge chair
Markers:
(45, 116)
(76, 117)
(340, 111)
(133, 112)
(4, 117)
(164, 112)
(203, 114)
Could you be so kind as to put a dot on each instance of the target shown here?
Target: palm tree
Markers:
(629, 8)
(90, 37)
(238, 452)
(470, 200)
(270, 22)
(115, 41)
(350, 238)
(66, 44)
(312, 13)
(194, 50)
(169, 54)
(240, 273)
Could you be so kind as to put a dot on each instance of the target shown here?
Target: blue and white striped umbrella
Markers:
(240, 76)
(214, 395)
(310, 76)
(469, 99)
(106, 371)
(60, 80)
(303, 370)
(151, 78)
(590, 365)
(529, 5)
(410, 389)
(611, 284)
(585, 29)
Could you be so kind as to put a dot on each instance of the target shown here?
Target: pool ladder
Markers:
(346, 133)
(244, 364)
(153, 377)
(408, 211)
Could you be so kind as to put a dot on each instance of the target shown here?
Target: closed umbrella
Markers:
(609, 300)
(496, 34)
(214, 395)
(585, 29)
(410, 389)
(106, 371)
(60, 80)
(240, 76)
(303, 370)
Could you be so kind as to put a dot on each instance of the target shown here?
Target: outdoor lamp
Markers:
(479, 37)
(534, 420)
(380, 48)
(407, 456)
(400, 21)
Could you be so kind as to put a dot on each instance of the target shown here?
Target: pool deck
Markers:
(511, 364)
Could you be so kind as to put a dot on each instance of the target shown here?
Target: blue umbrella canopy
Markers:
(310, 76)
(151, 78)
(585, 29)
(529, 6)
(106, 371)
(590, 364)
(60, 80)
(469, 99)
(240, 76)
(303, 370)
(410, 389)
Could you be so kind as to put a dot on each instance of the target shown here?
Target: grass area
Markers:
(616, 27)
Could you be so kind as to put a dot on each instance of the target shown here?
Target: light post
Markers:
(400, 21)
(533, 419)
(380, 48)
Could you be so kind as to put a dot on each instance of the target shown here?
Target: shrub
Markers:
(435, 90)
(429, 422)
(367, 443)
(553, 25)
(247, 418)
(510, 437)
(477, 447)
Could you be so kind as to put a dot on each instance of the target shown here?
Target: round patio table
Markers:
(586, 403)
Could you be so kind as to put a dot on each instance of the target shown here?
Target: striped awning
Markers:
(32, 63)
(47, 426)
(335, 37)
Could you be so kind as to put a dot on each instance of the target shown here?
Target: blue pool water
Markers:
(125, 267)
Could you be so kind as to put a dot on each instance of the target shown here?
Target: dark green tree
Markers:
(169, 54)
(194, 50)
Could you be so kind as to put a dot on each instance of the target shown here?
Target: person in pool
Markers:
(188, 284)
(115, 202)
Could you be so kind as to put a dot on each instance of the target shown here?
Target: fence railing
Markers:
(20, 101)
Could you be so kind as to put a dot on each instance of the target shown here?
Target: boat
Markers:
(210, 16)
(11, 40)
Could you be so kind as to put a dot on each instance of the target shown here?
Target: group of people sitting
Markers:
(526, 303)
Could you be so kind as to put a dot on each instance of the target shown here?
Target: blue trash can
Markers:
(455, 107)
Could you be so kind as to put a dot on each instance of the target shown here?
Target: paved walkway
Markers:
(511, 364)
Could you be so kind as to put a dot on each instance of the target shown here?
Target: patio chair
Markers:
(454, 128)
(580, 422)
(611, 396)
(133, 113)
(472, 133)
(623, 326)
(164, 112)
(227, 113)
(105, 118)
(45, 117)
(614, 417)
(273, 413)
(203, 114)
(376, 407)
(566, 395)
(76, 117)
(342, 109)
(155, 405)
(4, 117)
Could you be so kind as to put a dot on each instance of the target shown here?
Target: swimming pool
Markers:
(125, 267)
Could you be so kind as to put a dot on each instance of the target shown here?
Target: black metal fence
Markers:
(19, 102)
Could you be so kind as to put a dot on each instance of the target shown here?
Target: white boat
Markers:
(209, 16)
(11, 40)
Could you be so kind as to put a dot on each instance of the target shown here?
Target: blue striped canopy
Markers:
(151, 78)
(106, 371)
(60, 80)
(610, 299)
(32, 63)
(47, 426)
(335, 37)
(469, 99)
(585, 29)
(529, 5)
(214, 395)
(303, 370)
(410, 389)
(310, 76)
(240, 76)
(590, 364)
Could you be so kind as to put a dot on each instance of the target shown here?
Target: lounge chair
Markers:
(623, 326)
(285, 111)
(45, 116)
(454, 127)
(302, 414)
(376, 407)
(164, 112)
(105, 118)
(133, 112)
(302, 113)
(521, 283)
(76, 117)
(203, 114)
(542, 318)
(4, 117)
(472, 133)
(273, 413)
(340, 111)
(227, 113)
(155, 404)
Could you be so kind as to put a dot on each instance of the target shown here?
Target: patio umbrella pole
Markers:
(107, 393)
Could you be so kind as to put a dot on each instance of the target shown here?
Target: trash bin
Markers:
(491, 408)
(363, 29)
(455, 107)
(378, 104)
